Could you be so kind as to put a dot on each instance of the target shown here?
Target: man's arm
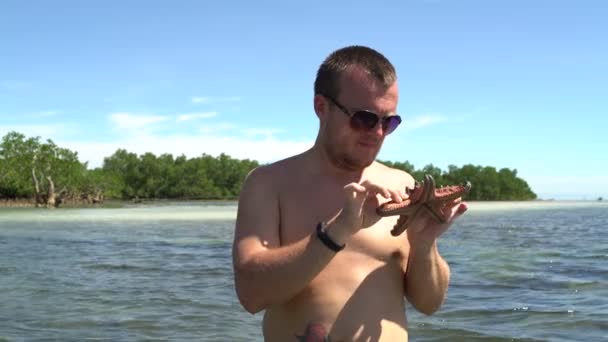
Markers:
(427, 278)
(428, 274)
(265, 272)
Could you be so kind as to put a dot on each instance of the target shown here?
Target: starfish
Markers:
(424, 196)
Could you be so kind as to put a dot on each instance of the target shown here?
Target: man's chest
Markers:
(302, 210)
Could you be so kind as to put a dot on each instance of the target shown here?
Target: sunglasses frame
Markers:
(361, 127)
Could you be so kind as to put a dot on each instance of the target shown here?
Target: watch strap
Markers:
(326, 239)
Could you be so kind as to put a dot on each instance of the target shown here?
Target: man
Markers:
(309, 248)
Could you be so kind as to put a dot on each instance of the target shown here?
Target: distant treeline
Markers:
(488, 184)
(48, 175)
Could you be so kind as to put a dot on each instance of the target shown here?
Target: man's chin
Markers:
(353, 162)
(358, 164)
(368, 159)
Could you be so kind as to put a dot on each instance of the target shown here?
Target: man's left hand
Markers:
(426, 228)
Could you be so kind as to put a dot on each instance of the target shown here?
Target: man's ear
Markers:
(320, 106)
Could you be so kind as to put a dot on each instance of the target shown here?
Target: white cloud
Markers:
(200, 100)
(423, 121)
(42, 131)
(31, 115)
(135, 121)
(43, 114)
(215, 128)
(268, 132)
(206, 99)
(137, 135)
(46, 114)
(263, 150)
(192, 116)
(231, 99)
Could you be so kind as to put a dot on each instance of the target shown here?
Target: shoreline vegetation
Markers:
(34, 173)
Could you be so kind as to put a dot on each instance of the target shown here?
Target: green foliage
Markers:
(126, 175)
(149, 176)
(488, 184)
(22, 160)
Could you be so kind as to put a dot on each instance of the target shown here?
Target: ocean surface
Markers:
(535, 271)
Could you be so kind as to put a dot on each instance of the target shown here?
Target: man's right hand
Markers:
(359, 211)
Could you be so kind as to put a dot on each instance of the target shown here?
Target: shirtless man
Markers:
(348, 280)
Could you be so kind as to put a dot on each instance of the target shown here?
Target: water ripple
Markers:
(165, 273)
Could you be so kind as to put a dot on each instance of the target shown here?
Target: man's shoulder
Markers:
(272, 172)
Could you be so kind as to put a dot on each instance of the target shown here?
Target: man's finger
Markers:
(355, 187)
(451, 212)
(396, 196)
(376, 188)
(462, 208)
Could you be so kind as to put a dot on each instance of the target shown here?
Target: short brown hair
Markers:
(372, 61)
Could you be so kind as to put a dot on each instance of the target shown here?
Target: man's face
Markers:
(356, 148)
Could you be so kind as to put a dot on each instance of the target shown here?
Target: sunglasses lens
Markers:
(363, 120)
(390, 123)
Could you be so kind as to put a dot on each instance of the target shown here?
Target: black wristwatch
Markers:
(327, 241)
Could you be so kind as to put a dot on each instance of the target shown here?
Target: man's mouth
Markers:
(369, 144)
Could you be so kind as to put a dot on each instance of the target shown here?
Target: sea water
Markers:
(521, 271)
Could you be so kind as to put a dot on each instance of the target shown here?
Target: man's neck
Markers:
(321, 163)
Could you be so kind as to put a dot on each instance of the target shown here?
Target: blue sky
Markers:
(516, 84)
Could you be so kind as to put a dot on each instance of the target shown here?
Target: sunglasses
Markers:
(364, 120)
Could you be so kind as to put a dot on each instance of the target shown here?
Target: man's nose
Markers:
(378, 129)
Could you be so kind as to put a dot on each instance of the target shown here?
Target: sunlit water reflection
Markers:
(520, 271)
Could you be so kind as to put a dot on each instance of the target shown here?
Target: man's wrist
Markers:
(338, 230)
(327, 240)
(422, 246)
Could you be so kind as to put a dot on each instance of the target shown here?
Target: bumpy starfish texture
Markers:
(424, 196)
